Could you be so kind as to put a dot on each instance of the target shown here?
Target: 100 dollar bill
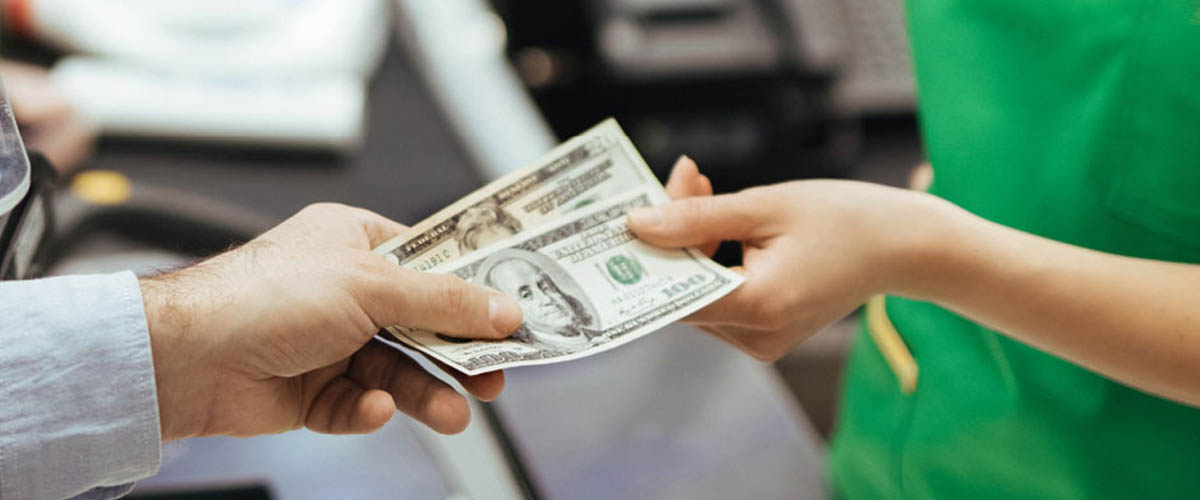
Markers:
(585, 285)
(596, 165)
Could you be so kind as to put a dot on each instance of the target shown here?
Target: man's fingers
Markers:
(441, 303)
(413, 390)
(378, 228)
(699, 221)
(485, 386)
(345, 407)
(358, 227)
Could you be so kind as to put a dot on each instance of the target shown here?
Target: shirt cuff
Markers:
(80, 408)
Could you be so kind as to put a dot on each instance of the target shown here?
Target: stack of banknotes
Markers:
(552, 236)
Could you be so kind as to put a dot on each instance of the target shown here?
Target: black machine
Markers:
(40, 223)
(25, 212)
(721, 81)
(756, 91)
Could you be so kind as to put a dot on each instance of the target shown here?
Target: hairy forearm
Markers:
(1133, 320)
(169, 322)
(179, 308)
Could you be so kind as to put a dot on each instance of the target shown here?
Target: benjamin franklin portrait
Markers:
(557, 314)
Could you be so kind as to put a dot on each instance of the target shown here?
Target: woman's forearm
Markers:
(1133, 320)
(814, 250)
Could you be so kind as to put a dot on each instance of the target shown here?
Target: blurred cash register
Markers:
(755, 90)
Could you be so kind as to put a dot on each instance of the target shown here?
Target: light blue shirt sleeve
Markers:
(78, 407)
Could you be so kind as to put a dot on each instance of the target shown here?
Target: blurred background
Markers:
(179, 128)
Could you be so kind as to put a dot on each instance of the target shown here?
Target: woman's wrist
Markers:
(931, 249)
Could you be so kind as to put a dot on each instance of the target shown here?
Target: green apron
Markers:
(1077, 120)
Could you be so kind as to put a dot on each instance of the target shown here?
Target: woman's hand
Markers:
(812, 251)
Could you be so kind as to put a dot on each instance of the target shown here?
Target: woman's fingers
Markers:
(685, 180)
(709, 249)
(703, 185)
(763, 345)
(720, 333)
(700, 221)
(748, 304)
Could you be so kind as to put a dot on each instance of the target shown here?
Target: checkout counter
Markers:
(674, 415)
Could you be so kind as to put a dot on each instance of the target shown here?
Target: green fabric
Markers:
(1077, 120)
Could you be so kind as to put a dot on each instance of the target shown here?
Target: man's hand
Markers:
(277, 334)
(812, 251)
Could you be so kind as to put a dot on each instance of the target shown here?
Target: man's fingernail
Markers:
(504, 313)
(646, 217)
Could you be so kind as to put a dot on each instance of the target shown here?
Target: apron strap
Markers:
(891, 345)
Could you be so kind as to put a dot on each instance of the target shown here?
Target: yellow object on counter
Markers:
(102, 187)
